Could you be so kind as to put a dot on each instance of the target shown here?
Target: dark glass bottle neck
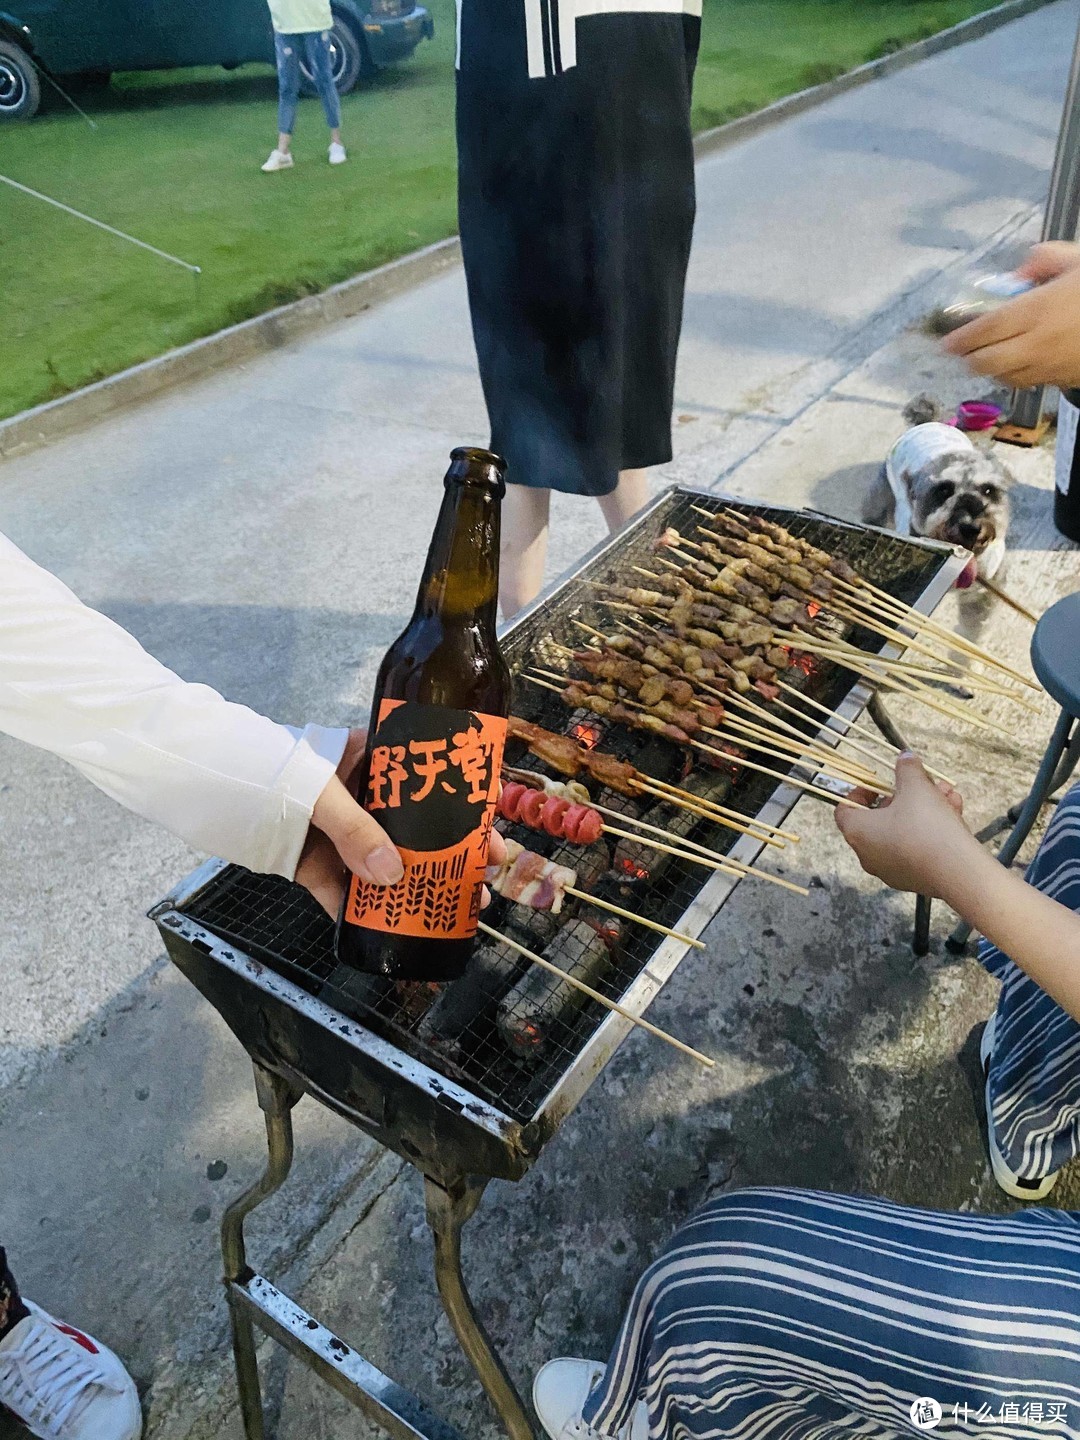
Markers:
(461, 577)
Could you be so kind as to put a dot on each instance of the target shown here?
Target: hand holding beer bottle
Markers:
(438, 725)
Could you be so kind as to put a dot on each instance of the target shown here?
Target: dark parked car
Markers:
(89, 39)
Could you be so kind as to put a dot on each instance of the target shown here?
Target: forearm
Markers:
(1039, 934)
(220, 776)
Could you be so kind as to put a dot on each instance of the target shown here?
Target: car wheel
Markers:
(348, 58)
(20, 88)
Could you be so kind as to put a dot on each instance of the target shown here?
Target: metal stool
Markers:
(1055, 657)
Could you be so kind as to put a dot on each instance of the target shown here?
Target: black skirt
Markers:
(576, 205)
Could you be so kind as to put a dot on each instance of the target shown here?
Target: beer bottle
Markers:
(435, 743)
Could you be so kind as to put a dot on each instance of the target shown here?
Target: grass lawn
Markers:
(175, 161)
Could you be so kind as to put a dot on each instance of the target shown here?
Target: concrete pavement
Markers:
(262, 530)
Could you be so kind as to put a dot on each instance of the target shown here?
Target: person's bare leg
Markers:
(524, 546)
(628, 497)
(284, 143)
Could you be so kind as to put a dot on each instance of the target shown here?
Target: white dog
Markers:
(936, 483)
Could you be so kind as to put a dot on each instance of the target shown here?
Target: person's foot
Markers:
(279, 160)
(1007, 1178)
(337, 153)
(64, 1385)
(559, 1394)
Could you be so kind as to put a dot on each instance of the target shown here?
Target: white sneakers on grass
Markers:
(279, 160)
(559, 1394)
(64, 1385)
(283, 160)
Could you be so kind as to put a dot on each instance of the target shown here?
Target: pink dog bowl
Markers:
(978, 415)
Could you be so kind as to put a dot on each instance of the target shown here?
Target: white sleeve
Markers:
(223, 778)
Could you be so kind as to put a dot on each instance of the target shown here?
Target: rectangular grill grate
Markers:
(496, 1032)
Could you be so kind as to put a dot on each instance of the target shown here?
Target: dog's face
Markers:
(961, 499)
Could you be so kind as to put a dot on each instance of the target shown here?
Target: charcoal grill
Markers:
(471, 1108)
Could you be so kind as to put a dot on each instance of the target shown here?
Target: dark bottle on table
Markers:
(1067, 465)
(435, 743)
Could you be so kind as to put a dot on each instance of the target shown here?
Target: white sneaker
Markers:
(1007, 1179)
(559, 1394)
(279, 160)
(337, 154)
(64, 1385)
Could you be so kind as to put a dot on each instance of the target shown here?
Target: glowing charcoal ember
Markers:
(586, 733)
(464, 1003)
(537, 1011)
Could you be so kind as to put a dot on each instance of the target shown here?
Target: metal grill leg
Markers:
(448, 1208)
(920, 938)
(276, 1098)
(1059, 762)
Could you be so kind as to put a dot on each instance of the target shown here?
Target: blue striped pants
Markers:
(790, 1315)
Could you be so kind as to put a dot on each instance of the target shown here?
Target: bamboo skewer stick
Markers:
(637, 919)
(881, 599)
(871, 739)
(708, 809)
(858, 662)
(901, 666)
(812, 764)
(794, 780)
(678, 839)
(825, 762)
(724, 866)
(737, 708)
(1007, 599)
(729, 819)
(600, 999)
(887, 759)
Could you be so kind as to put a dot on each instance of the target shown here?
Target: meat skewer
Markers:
(908, 683)
(752, 707)
(563, 820)
(596, 995)
(765, 725)
(866, 592)
(563, 753)
(774, 573)
(520, 805)
(578, 693)
(843, 607)
(575, 697)
(528, 879)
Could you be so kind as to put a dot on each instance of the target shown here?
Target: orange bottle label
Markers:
(433, 781)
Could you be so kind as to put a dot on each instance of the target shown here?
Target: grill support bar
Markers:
(254, 1301)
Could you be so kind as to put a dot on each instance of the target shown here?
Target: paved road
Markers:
(262, 530)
